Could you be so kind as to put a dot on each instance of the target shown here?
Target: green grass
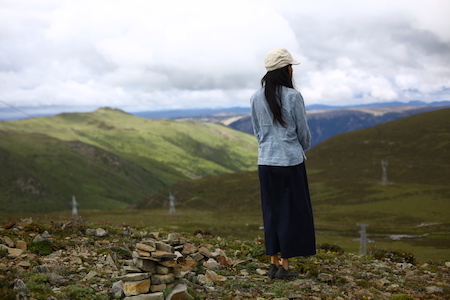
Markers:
(109, 159)
(246, 226)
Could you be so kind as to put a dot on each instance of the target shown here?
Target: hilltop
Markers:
(109, 159)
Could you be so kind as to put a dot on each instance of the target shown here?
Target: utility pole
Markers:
(74, 208)
(363, 239)
(384, 178)
(171, 204)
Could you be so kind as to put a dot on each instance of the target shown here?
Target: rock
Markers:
(164, 247)
(153, 296)
(38, 238)
(212, 276)
(20, 287)
(117, 289)
(189, 248)
(134, 288)
(20, 244)
(46, 235)
(25, 264)
(144, 247)
(162, 270)
(145, 265)
(14, 252)
(205, 252)
(325, 277)
(211, 264)
(173, 238)
(157, 287)
(134, 277)
(159, 278)
(100, 232)
(8, 241)
(197, 256)
(179, 292)
(163, 254)
(89, 276)
(434, 289)
(261, 272)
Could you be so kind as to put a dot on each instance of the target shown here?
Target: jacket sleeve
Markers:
(254, 117)
(302, 128)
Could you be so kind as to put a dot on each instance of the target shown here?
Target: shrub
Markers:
(400, 256)
(330, 248)
(79, 291)
(41, 248)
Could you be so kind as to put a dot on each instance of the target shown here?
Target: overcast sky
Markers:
(156, 55)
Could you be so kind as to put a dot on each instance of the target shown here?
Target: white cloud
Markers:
(184, 54)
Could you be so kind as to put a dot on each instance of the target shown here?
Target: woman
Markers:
(280, 126)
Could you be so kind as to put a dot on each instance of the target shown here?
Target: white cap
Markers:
(279, 58)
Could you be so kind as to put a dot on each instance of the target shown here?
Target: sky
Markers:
(63, 56)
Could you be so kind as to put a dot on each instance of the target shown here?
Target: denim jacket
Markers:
(278, 145)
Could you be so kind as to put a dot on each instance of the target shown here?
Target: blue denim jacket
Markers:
(277, 145)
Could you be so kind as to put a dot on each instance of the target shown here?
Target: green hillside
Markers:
(109, 159)
(345, 178)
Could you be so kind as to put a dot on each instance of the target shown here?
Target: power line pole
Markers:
(363, 239)
(74, 208)
(384, 178)
(171, 204)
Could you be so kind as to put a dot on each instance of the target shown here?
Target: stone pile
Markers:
(160, 265)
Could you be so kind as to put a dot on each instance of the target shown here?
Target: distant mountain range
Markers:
(324, 121)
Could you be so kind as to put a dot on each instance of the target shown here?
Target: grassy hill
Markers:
(109, 159)
(345, 178)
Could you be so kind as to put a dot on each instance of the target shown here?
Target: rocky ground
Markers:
(79, 260)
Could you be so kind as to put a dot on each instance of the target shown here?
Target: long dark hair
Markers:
(272, 83)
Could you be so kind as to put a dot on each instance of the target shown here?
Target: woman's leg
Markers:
(274, 260)
(285, 263)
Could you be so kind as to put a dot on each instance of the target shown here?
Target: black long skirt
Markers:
(287, 212)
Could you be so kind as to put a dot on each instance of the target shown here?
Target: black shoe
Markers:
(285, 274)
(272, 270)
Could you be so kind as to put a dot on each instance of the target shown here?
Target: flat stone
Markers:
(159, 279)
(143, 253)
(145, 247)
(179, 292)
(152, 296)
(145, 265)
(8, 241)
(25, 264)
(157, 287)
(205, 252)
(14, 252)
(162, 270)
(134, 276)
(168, 263)
(163, 254)
(164, 247)
(131, 269)
(133, 288)
(197, 256)
(211, 264)
(189, 248)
